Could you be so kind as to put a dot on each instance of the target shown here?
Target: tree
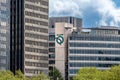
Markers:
(94, 74)
(6, 75)
(20, 76)
(55, 74)
(87, 74)
(40, 76)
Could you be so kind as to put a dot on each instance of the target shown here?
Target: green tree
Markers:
(20, 76)
(87, 74)
(40, 76)
(94, 74)
(7, 75)
(55, 74)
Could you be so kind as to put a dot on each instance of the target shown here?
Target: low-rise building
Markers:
(95, 47)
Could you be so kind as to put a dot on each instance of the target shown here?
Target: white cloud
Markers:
(110, 14)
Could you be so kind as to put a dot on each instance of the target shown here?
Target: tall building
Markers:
(99, 47)
(29, 36)
(4, 34)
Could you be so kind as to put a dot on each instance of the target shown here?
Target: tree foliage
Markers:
(55, 74)
(7, 75)
(94, 74)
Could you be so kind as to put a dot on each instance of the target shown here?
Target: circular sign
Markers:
(60, 39)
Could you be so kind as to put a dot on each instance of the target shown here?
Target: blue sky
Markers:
(94, 13)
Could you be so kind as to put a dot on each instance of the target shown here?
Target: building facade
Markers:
(98, 48)
(4, 34)
(77, 22)
(61, 49)
(29, 36)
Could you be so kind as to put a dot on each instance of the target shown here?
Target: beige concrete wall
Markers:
(61, 49)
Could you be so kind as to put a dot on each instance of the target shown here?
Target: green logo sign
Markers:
(59, 39)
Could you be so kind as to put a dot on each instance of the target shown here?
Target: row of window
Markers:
(51, 55)
(36, 36)
(94, 45)
(90, 65)
(51, 44)
(2, 38)
(95, 38)
(51, 37)
(36, 15)
(94, 58)
(36, 57)
(33, 71)
(3, 53)
(73, 71)
(51, 61)
(39, 1)
(36, 64)
(38, 22)
(37, 8)
(37, 43)
(74, 51)
(32, 28)
(45, 51)
(51, 49)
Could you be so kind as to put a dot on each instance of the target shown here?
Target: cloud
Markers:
(106, 11)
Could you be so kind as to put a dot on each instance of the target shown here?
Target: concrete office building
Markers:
(58, 37)
(4, 34)
(29, 36)
(54, 58)
(77, 22)
(61, 49)
(100, 47)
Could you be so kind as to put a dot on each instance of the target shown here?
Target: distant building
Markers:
(77, 22)
(4, 34)
(100, 47)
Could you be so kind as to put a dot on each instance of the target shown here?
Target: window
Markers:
(51, 61)
(51, 49)
(52, 37)
(51, 55)
(51, 44)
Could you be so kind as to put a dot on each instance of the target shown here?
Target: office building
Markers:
(76, 22)
(54, 58)
(58, 47)
(29, 36)
(4, 34)
(98, 47)
(61, 49)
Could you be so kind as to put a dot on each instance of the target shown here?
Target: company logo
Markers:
(59, 39)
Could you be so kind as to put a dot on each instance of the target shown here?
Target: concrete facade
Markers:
(61, 34)
(29, 36)
(36, 37)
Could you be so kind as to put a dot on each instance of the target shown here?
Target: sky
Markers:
(94, 13)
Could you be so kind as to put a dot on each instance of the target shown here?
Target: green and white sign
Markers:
(59, 39)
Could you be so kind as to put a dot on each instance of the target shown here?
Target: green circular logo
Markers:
(60, 39)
